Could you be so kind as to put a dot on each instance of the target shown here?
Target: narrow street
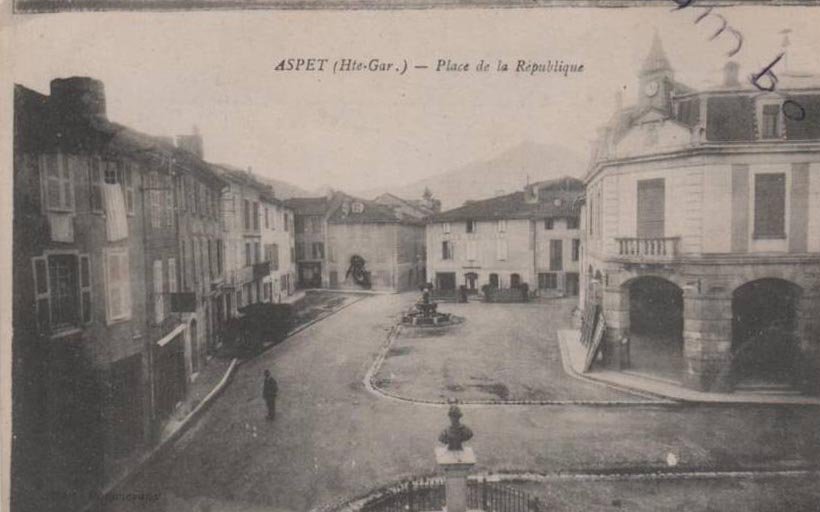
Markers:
(333, 439)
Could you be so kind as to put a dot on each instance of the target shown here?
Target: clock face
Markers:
(651, 89)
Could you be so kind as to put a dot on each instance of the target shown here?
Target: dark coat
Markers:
(270, 388)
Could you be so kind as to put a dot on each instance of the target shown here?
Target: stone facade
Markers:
(668, 197)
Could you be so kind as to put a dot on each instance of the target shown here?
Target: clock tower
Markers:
(657, 79)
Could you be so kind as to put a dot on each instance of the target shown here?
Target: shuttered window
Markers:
(118, 285)
(95, 185)
(62, 291)
(556, 255)
(159, 298)
(770, 122)
(58, 182)
(770, 206)
(651, 208)
(501, 249)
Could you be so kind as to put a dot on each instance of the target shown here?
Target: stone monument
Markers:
(455, 461)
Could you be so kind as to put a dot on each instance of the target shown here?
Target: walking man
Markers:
(269, 391)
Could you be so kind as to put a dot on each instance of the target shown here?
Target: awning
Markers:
(171, 335)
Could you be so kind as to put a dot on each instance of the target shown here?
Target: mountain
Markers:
(283, 189)
(503, 174)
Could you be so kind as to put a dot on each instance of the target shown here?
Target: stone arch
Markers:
(654, 307)
(765, 343)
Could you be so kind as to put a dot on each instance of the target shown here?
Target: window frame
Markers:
(124, 287)
(64, 179)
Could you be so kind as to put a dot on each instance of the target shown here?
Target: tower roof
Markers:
(656, 60)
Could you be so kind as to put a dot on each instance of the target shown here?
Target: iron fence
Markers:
(429, 495)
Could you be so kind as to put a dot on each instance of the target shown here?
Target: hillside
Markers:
(505, 173)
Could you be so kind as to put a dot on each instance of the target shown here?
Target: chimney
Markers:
(730, 74)
(78, 98)
(191, 143)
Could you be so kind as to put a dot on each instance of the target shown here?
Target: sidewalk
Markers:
(209, 383)
(576, 353)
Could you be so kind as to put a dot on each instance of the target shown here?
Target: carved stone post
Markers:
(455, 461)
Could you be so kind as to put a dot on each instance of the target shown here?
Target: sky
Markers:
(167, 72)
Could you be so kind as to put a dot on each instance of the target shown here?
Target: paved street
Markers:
(333, 438)
(500, 352)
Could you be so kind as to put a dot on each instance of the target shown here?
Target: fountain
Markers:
(425, 313)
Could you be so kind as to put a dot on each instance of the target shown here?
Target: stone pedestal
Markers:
(456, 465)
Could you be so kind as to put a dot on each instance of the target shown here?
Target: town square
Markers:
(428, 264)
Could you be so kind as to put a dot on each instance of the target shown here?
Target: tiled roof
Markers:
(308, 205)
(344, 212)
(556, 203)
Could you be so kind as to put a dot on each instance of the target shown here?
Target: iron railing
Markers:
(429, 495)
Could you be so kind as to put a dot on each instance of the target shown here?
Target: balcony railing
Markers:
(648, 249)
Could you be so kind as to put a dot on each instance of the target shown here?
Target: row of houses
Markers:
(131, 252)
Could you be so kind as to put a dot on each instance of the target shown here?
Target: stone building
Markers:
(83, 381)
(198, 282)
(702, 224)
(343, 242)
(278, 246)
(245, 263)
(531, 236)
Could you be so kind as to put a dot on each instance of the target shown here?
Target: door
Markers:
(556, 255)
(515, 280)
(446, 280)
(572, 283)
(126, 404)
(334, 279)
(493, 280)
(651, 208)
(471, 278)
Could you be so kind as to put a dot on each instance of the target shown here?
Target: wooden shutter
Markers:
(41, 292)
(172, 275)
(159, 305)
(67, 183)
(85, 288)
(651, 208)
(119, 285)
(95, 185)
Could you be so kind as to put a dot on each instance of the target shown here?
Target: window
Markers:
(58, 183)
(184, 262)
(445, 227)
(286, 219)
(156, 200)
(576, 249)
(316, 222)
(651, 208)
(239, 302)
(159, 298)
(501, 226)
(300, 224)
(770, 122)
(112, 173)
(172, 275)
(501, 249)
(572, 222)
(267, 218)
(248, 257)
(549, 223)
(548, 281)
(446, 250)
(219, 257)
(472, 250)
(118, 285)
(247, 214)
(62, 288)
(299, 252)
(318, 250)
(770, 206)
(255, 216)
(169, 202)
(556, 255)
(470, 225)
(257, 252)
(211, 260)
